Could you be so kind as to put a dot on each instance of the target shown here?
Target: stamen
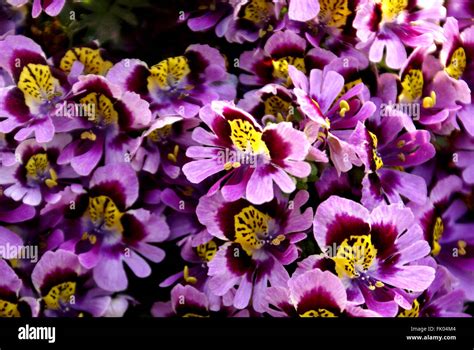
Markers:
(462, 247)
(401, 143)
(438, 230)
(89, 135)
(52, 181)
(189, 279)
(174, 156)
(276, 241)
(430, 102)
(401, 156)
(344, 108)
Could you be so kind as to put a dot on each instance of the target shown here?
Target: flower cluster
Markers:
(303, 158)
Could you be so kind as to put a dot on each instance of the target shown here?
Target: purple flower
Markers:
(334, 108)
(387, 26)
(457, 57)
(443, 298)
(451, 241)
(104, 231)
(464, 150)
(425, 83)
(51, 7)
(254, 158)
(197, 250)
(178, 85)
(372, 252)
(12, 303)
(282, 49)
(303, 10)
(386, 150)
(9, 20)
(313, 293)
(272, 102)
(83, 60)
(12, 211)
(241, 20)
(162, 146)
(105, 115)
(259, 240)
(65, 289)
(36, 176)
(30, 104)
(187, 301)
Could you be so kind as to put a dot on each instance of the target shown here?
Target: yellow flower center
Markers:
(377, 159)
(257, 11)
(334, 13)
(438, 230)
(392, 8)
(251, 229)
(38, 166)
(356, 254)
(60, 294)
(160, 134)
(280, 67)
(168, 73)
(8, 309)
(276, 106)
(457, 63)
(207, 251)
(413, 312)
(318, 313)
(104, 213)
(412, 86)
(90, 58)
(246, 138)
(102, 106)
(37, 84)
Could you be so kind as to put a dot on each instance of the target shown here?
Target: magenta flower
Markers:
(105, 232)
(386, 27)
(254, 158)
(373, 253)
(51, 7)
(13, 303)
(103, 114)
(332, 114)
(37, 176)
(177, 85)
(259, 241)
(30, 104)
(313, 293)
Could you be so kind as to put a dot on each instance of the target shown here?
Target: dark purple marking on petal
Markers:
(57, 276)
(388, 181)
(23, 57)
(264, 69)
(279, 149)
(8, 295)
(344, 226)
(190, 307)
(222, 129)
(376, 18)
(137, 81)
(317, 298)
(113, 189)
(427, 223)
(238, 261)
(15, 105)
(383, 237)
(197, 64)
(133, 230)
(225, 217)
